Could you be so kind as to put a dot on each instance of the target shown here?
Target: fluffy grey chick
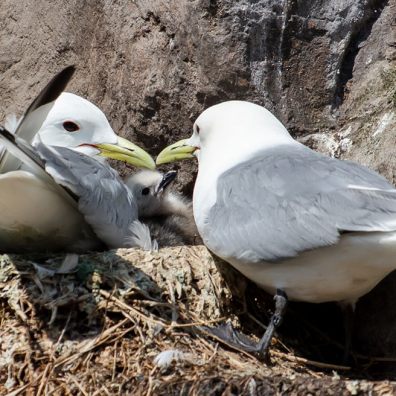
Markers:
(168, 215)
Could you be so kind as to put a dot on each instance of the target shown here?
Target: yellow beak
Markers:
(126, 151)
(176, 152)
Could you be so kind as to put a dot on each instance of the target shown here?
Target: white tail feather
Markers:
(140, 236)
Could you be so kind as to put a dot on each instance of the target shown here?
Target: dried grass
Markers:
(125, 322)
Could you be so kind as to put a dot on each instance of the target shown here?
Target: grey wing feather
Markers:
(104, 200)
(291, 199)
(35, 115)
(25, 153)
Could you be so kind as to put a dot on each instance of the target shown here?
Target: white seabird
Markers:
(76, 123)
(297, 223)
(34, 213)
(92, 188)
(167, 214)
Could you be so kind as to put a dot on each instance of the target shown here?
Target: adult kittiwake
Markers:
(34, 214)
(93, 188)
(299, 224)
(76, 123)
(64, 119)
(168, 215)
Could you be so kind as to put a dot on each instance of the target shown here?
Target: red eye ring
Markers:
(70, 126)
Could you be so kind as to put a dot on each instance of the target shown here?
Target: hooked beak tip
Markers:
(175, 152)
(167, 179)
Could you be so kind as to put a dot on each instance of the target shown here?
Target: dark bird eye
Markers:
(70, 126)
(145, 191)
(197, 129)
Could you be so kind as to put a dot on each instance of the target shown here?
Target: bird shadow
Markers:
(75, 305)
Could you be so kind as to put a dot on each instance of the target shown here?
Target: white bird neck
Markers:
(216, 158)
(229, 134)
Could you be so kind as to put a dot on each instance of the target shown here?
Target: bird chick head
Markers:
(151, 191)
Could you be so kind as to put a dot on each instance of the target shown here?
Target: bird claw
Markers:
(235, 339)
(227, 334)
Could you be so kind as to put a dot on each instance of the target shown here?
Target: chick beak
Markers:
(167, 179)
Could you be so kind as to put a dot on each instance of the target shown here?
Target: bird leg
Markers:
(275, 321)
(237, 340)
(348, 311)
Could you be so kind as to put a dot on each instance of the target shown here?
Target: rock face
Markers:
(326, 69)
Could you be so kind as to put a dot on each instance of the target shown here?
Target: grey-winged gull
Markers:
(34, 214)
(299, 224)
(93, 188)
(64, 119)
(74, 122)
(168, 214)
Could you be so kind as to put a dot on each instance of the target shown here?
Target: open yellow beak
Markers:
(176, 152)
(126, 151)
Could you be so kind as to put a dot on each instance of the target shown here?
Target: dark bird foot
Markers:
(227, 334)
(231, 337)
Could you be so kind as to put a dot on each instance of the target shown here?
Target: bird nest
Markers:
(131, 322)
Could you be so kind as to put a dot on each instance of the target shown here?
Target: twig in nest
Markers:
(62, 334)
(48, 369)
(213, 354)
(44, 379)
(136, 327)
(113, 374)
(200, 323)
(123, 305)
(314, 363)
(157, 321)
(152, 303)
(15, 306)
(16, 392)
(97, 341)
(173, 300)
(79, 386)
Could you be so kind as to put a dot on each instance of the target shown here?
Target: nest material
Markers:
(126, 322)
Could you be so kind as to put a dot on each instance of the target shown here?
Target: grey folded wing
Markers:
(104, 200)
(26, 154)
(291, 199)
